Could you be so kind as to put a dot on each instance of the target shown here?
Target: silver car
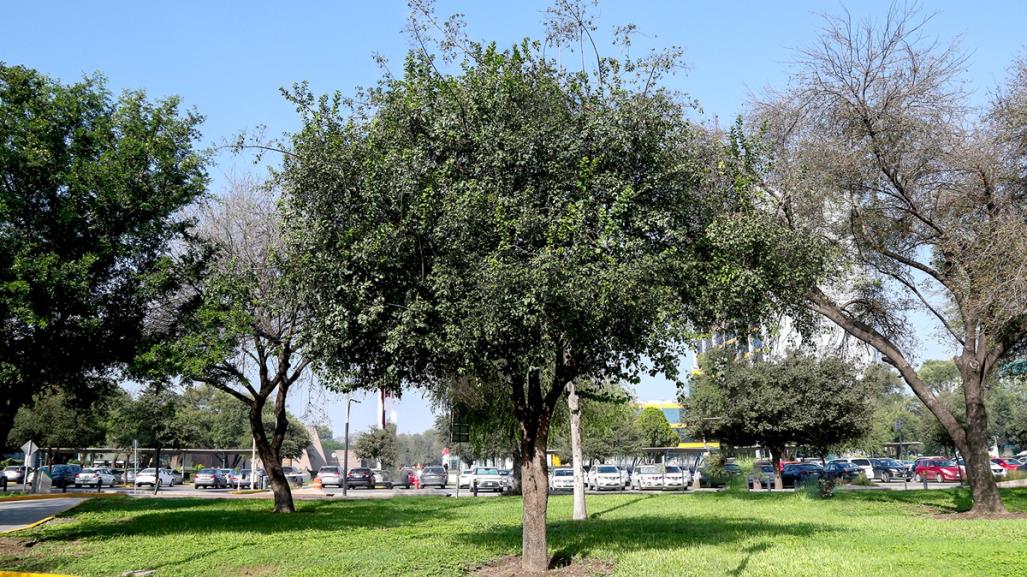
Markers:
(209, 478)
(331, 476)
(434, 476)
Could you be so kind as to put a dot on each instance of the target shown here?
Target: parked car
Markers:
(260, 481)
(937, 469)
(865, 465)
(464, 478)
(210, 478)
(119, 476)
(709, 479)
(796, 474)
(605, 477)
(177, 476)
(842, 470)
(95, 476)
(888, 470)
(295, 476)
(488, 479)
(360, 477)
(434, 476)
(148, 477)
(767, 474)
(331, 475)
(561, 479)
(14, 473)
(647, 477)
(1008, 463)
(62, 475)
(382, 478)
(405, 478)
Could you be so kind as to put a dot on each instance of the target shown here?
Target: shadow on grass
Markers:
(152, 517)
(571, 539)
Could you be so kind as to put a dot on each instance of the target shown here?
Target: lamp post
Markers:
(345, 455)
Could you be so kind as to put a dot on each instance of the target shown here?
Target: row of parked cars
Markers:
(483, 478)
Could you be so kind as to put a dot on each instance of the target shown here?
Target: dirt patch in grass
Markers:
(511, 567)
(258, 570)
(15, 548)
(973, 515)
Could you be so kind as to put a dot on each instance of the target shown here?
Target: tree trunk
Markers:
(985, 493)
(535, 495)
(775, 458)
(580, 512)
(272, 463)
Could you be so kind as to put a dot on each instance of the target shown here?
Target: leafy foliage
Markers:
(91, 204)
(655, 430)
(376, 444)
(799, 400)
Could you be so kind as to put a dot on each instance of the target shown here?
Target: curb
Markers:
(58, 496)
(21, 574)
(30, 526)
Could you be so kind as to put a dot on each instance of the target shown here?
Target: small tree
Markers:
(655, 429)
(799, 400)
(379, 445)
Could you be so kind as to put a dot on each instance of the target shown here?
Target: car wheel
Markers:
(885, 477)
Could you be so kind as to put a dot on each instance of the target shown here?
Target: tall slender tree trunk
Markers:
(573, 403)
(535, 495)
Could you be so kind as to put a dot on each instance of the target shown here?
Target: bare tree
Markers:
(873, 149)
(244, 335)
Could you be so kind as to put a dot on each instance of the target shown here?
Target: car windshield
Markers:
(435, 470)
(563, 473)
(949, 463)
(732, 467)
(203, 471)
(673, 469)
(608, 469)
(889, 462)
(487, 472)
(91, 470)
(12, 468)
(1013, 461)
(149, 472)
(332, 470)
(359, 471)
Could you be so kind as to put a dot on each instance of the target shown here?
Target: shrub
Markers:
(862, 481)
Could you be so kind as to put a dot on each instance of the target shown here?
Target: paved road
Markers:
(19, 514)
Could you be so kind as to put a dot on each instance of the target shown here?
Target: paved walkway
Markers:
(20, 514)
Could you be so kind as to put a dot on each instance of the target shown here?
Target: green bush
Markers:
(1014, 476)
(862, 481)
(818, 488)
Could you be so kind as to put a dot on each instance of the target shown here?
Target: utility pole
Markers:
(253, 463)
(345, 455)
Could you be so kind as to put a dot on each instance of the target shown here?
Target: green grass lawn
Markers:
(708, 534)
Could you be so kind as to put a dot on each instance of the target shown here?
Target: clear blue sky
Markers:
(228, 61)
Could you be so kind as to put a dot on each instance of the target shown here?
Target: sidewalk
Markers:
(22, 514)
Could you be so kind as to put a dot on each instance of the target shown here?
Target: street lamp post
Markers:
(345, 455)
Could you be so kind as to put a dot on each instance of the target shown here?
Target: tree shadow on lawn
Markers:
(570, 539)
(153, 517)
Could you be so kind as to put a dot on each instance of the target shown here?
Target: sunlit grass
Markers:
(856, 533)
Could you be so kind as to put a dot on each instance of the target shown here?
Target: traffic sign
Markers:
(29, 447)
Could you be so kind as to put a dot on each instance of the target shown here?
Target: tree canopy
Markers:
(91, 206)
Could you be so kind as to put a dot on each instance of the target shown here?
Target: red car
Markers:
(1009, 464)
(937, 469)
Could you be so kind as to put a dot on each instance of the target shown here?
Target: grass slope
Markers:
(857, 533)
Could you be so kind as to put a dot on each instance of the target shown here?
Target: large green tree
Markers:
(92, 189)
(655, 429)
(510, 222)
(876, 148)
(377, 444)
(795, 401)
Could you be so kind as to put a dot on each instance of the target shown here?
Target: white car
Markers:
(561, 479)
(95, 476)
(465, 478)
(487, 479)
(605, 477)
(652, 477)
(148, 477)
